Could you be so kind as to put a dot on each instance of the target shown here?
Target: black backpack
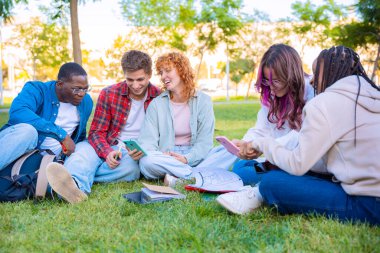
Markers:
(26, 177)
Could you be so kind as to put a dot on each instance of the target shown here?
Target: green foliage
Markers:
(46, 45)
(152, 12)
(147, 39)
(108, 223)
(364, 32)
(6, 7)
(311, 23)
(239, 69)
(212, 22)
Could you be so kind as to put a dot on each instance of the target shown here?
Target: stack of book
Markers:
(154, 193)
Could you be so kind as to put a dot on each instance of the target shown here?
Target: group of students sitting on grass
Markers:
(319, 136)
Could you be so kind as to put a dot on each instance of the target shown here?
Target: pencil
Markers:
(118, 154)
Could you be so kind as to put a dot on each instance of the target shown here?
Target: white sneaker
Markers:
(241, 202)
(171, 180)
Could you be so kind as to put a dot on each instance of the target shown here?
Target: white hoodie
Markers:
(329, 129)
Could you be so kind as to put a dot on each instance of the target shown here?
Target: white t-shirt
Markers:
(136, 116)
(68, 119)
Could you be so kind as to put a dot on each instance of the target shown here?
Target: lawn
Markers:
(108, 223)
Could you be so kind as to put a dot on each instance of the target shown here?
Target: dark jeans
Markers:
(309, 194)
(249, 171)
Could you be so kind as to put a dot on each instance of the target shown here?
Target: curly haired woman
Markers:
(179, 125)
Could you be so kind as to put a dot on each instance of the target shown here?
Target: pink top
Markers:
(181, 117)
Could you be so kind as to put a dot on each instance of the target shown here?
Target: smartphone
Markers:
(132, 145)
(232, 148)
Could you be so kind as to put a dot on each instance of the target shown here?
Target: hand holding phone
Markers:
(229, 145)
(132, 145)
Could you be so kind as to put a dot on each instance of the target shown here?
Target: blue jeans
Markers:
(15, 141)
(156, 164)
(218, 158)
(246, 170)
(312, 195)
(86, 167)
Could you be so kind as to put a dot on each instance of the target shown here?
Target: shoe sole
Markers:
(226, 205)
(63, 184)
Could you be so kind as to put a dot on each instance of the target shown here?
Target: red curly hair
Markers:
(183, 67)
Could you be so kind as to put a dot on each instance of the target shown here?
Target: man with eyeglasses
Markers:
(51, 115)
(119, 114)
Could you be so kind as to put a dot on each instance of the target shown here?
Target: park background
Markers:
(37, 36)
(34, 45)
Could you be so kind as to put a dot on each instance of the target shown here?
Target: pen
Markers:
(118, 154)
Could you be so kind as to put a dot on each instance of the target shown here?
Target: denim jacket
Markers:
(157, 132)
(37, 104)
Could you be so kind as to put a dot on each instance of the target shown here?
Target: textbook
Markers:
(153, 193)
(160, 193)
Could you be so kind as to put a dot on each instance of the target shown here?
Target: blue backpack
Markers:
(26, 177)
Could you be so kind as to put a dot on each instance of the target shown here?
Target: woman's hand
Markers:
(179, 157)
(247, 152)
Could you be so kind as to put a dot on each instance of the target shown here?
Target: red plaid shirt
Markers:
(111, 114)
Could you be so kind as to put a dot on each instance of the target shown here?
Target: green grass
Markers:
(236, 98)
(108, 223)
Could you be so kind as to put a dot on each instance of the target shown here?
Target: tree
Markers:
(211, 22)
(147, 39)
(312, 23)
(6, 7)
(364, 32)
(61, 7)
(249, 45)
(46, 45)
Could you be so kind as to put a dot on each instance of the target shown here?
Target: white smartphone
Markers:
(229, 145)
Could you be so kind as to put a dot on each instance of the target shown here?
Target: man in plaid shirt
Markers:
(119, 114)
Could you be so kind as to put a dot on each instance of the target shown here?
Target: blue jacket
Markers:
(37, 104)
(157, 132)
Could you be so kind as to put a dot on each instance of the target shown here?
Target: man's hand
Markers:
(113, 158)
(179, 157)
(135, 154)
(68, 145)
(247, 152)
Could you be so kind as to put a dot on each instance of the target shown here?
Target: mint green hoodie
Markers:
(157, 132)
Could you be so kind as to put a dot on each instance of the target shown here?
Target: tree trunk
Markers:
(77, 53)
(249, 83)
(376, 63)
(200, 63)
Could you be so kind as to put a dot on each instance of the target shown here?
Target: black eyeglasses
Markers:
(77, 91)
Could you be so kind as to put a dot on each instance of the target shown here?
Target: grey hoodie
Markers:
(329, 129)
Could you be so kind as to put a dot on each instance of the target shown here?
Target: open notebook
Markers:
(216, 180)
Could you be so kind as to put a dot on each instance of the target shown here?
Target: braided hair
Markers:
(336, 63)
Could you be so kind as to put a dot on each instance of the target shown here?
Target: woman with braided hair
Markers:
(341, 123)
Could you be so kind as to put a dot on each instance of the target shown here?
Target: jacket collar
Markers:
(166, 93)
